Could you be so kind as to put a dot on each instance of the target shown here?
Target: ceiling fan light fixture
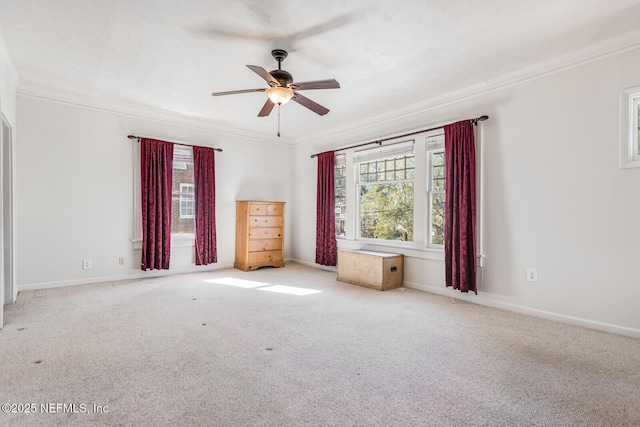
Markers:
(279, 95)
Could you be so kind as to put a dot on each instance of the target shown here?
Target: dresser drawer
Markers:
(257, 209)
(264, 245)
(266, 221)
(264, 257)
(275, 209)
(264, 233)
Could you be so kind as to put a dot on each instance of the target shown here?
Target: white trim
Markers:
(629, 156)
(158, 116)
(408, 249)
(177, 241)
(120, 277)
(549, 315)
(137, 275)
(534, 72)
(434, 143)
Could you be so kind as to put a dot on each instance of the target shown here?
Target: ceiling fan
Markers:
(282, 87)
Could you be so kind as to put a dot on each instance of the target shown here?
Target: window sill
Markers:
(407, 250)
(630, 164)
(177, 241)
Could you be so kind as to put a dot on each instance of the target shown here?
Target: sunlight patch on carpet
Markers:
(291, 290)
(238, 283)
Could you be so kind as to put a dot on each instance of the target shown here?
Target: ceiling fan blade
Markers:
(312, 105)
(317, 84)
(266, 108)
(233, 92)
(264, 74)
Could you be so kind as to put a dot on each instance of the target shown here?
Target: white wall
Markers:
(75, 191)
(8, 84)
(554, 196)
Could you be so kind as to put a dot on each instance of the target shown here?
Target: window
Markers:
(340, 177)
(385, 188)
(393, 195)
(630, 128)
(182, 228)
(435, 187)
(182, 200)
(635, 108)
(187, 201)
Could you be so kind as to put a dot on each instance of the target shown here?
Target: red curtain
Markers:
(460, 206)
(326, 244)
(156, 174)
(205, 195)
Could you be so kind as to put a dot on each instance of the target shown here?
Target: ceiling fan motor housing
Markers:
(283, 77)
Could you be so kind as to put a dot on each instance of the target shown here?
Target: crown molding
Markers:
(146, 113)
(536, 71)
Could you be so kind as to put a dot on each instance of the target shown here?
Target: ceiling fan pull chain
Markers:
(278, 120)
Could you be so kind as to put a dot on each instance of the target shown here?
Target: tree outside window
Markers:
(386, 197)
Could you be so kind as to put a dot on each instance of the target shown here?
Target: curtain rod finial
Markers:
(483, 118)
(131, 136)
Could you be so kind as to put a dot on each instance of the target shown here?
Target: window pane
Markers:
(438, 172)
(438, 158)
(386, 211)
(437, 218)
(410, 162)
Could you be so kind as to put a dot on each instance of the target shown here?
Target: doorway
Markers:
(6, 217)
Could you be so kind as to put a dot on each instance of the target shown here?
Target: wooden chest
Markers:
(259, 234)
(376, 270)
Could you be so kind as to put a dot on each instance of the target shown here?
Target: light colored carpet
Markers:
(223, 349)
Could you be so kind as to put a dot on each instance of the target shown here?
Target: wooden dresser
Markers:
(259, 234)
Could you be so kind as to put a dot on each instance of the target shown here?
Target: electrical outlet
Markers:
(86, 264)
(121, 260)
(532, 275)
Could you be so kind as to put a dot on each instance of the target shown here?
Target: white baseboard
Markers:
(119, 277)
(314, 265)
(561, 318)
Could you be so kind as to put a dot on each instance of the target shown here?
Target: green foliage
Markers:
(386, 211)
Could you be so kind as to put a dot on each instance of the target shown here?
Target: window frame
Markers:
(629, 128)
(434, 145)
(375, 155)
(183, 199)
(419, 248)
(340, 163)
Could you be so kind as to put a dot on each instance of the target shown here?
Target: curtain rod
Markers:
(179, 143)
(380, 141)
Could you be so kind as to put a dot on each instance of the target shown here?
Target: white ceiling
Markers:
(390, 57)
